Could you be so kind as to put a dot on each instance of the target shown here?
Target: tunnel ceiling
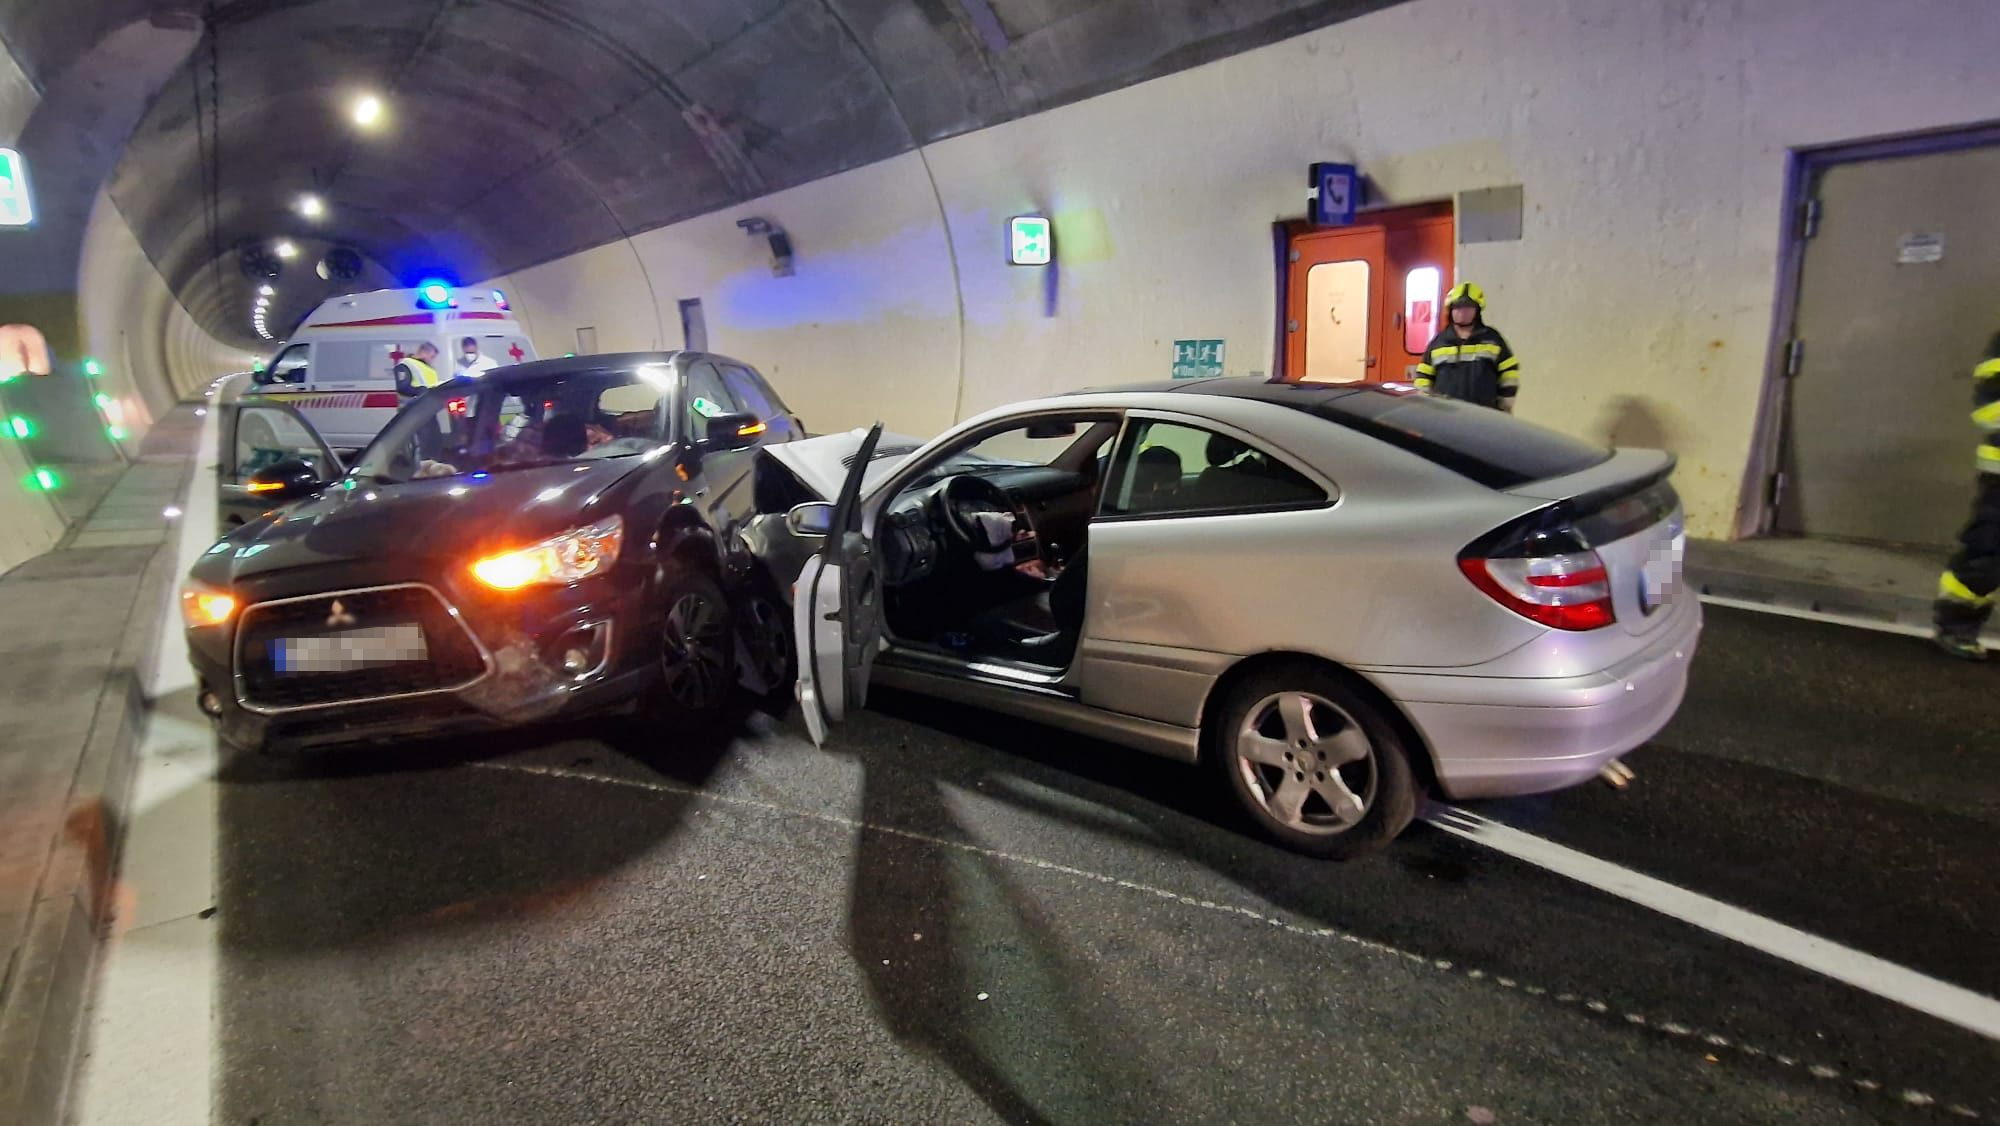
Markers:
(518, 131)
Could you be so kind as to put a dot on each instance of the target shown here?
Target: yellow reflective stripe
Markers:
(1424, 381)
(1987, 417)
(1426, 370)
(1479, 349)
(1510, 379)
(1989, 368)
(1952, 589)
(1444, 354)
(1510, 363)
(1989, 459)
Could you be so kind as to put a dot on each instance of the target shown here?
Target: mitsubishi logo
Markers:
(339, 617)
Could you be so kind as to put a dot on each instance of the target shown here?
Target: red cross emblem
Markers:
(515, 351)
(396, 356)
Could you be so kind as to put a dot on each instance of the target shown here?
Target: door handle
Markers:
(1371, 361)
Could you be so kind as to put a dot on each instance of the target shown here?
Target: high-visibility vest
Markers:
(421, 373)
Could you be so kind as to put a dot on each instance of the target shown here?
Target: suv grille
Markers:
(453, 659)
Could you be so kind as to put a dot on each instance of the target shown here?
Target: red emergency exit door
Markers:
(1362, 301)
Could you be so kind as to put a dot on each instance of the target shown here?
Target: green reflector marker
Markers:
(92, 368)
(46, 480)
(20, 427)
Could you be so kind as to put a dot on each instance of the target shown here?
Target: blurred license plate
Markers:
(354, 649)
(1663, 567)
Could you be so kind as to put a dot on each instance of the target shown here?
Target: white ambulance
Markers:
(339, 368)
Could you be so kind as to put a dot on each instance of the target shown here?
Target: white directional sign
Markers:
(17, 207)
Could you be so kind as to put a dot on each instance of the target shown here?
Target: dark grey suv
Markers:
(553, 538)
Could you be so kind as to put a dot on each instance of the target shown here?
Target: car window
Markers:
(290, 366)
(265, 437)
(707, 398)
(1491, 447)
(750, 390)
(1167, 468)
(344, 361)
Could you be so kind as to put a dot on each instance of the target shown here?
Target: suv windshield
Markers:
(505, 422)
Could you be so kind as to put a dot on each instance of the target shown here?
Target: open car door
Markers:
(837, 604)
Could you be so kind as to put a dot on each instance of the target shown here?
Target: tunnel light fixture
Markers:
(92, 368)
(45, 480)
(266, 291)
(368, 110)
(20, 426)
(311, 206)
(115, 432)
(284, 248)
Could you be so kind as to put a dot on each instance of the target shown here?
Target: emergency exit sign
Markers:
(1030, 241)
(16, 208)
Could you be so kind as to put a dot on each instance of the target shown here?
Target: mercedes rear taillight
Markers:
(1547, 575)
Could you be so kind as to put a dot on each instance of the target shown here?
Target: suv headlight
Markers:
(203, 605)
(557, 561)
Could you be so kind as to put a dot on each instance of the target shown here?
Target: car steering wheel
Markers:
(965, 496)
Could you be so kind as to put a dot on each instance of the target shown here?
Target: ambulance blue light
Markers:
(434, 295)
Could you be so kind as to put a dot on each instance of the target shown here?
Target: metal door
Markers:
(1335, 300)
(1899, 293)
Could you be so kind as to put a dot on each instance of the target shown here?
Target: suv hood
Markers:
(440, 518)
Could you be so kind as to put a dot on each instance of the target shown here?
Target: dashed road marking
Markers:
(1910, 1097)
(1941, 999)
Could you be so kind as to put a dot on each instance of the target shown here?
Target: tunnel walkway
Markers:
(76, 625)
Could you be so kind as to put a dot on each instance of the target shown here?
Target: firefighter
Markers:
(414, 373)
(1966, 591)
(1468, 359)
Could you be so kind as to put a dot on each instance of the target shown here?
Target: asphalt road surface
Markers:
(949, 916)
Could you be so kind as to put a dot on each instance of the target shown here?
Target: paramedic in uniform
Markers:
(472, 365)
(1468, 359)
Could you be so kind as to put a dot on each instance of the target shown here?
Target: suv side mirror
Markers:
(813, 519)
(289, 479)
(733, 431)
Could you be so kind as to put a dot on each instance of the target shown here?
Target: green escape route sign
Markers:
(17, 209)
(1197, 359)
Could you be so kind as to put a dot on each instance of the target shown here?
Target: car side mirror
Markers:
(289, 479)
(733, 431)
(811, 520)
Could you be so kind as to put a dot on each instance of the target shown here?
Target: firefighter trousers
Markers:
(1966, 590)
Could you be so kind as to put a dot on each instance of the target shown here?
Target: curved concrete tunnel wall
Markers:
(1651, 142)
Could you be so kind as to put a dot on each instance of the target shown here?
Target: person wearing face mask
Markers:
(1468, 359)
(472, 365)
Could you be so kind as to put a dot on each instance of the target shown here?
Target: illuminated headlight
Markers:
(203, 605)
(567, 558)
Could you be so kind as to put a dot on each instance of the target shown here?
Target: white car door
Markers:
(837, 603)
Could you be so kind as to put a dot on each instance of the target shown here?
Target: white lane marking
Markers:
(1879, 625)
(1568, 1000)
(1907, 987)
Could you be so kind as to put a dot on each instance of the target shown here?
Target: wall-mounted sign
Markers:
(17, 207)
(1030, 241)
(1335, 191)
(1914, 250)
(1197, 359)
